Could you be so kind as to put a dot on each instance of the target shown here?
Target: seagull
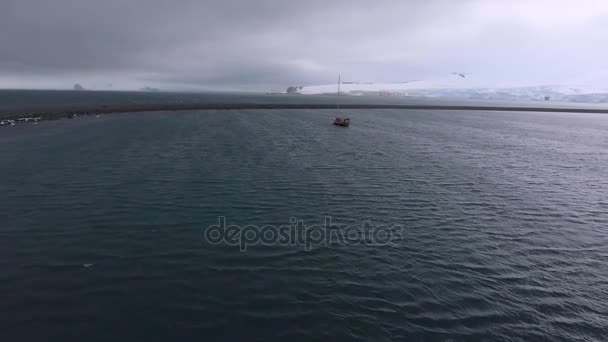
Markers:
(461, 74)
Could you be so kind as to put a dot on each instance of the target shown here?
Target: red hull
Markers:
(342, 122)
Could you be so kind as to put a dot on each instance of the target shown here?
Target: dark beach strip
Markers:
(67, 112)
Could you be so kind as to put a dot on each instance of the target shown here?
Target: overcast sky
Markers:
(268, 45)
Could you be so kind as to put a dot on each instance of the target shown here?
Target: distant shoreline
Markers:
(67, 112)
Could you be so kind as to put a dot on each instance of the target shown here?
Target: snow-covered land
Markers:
(462, 88)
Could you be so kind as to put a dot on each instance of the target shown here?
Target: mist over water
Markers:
(503, 216)
(36, 101)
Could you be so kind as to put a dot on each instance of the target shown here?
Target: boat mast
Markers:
(338, 92)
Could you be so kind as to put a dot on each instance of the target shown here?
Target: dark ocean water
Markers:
(502, 221)
(20, 100)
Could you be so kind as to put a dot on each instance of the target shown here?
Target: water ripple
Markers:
(502, 222)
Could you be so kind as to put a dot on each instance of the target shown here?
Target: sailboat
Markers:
(340, 120)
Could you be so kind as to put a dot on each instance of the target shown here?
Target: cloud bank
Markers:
(267, 45)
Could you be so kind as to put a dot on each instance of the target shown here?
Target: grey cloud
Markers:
(247, 42)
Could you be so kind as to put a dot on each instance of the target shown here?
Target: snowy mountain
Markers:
(462, 88)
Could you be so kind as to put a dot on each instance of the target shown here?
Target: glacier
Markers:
(461, 88)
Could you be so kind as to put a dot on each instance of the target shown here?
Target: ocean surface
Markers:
(35, 100)
(485, 226)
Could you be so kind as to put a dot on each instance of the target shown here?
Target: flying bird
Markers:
(461, 74)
